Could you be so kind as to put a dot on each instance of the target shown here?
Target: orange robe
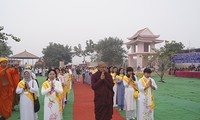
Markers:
(16, 79)
(6, 92)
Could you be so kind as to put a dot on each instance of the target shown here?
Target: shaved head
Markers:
(16, 63)
(101, 63)
(102, 67)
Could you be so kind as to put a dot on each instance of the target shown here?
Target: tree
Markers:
(4, 36)
(173, 48)
(111, 51)
(54, 53)
(87, 52)
(5, 50)
(162, 60)
(163, 56)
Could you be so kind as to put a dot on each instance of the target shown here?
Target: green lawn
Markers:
(177, 99)
(68, 111)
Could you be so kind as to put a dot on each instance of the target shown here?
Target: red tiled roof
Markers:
(25, 55)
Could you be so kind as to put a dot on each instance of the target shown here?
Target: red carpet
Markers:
(84, 105)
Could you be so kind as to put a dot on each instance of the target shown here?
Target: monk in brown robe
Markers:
(102, 84)
(6, 89)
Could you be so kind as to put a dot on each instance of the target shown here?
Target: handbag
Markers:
(36, 104)
(36, 101)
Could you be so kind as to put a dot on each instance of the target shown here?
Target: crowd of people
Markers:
(113, 87)
(191, 67)
(24, 85)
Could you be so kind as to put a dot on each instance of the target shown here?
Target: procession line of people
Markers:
(56, 90)
(112, 87)
(130, 92)
(125, 92)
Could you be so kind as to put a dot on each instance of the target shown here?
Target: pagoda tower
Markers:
(141, 45)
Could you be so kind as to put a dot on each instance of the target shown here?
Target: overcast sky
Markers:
(38, 22)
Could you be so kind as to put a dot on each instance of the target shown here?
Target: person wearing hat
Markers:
(28, 67)
(6, 88)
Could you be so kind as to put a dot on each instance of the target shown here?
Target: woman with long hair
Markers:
(120, 89)
(130, 88)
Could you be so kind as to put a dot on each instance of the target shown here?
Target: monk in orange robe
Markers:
(16, 79)
(6, 89)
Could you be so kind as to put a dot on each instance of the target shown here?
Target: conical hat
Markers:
(3, 59)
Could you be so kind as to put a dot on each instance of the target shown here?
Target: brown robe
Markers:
(103, 96)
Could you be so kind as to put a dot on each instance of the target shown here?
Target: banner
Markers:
(186, 58)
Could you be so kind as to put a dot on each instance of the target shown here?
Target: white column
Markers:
(140, 60)
(130, 60)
